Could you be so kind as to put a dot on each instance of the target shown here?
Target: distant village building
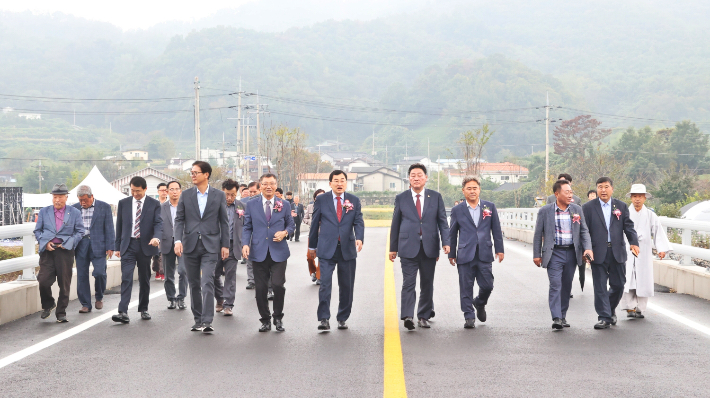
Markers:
(379, 179)
(30, 116)
(310, 182)
(180, 164)
(135, 154)
(500, 173)
(8, 109)
(152, 177)
(219, 157)
(337, 159)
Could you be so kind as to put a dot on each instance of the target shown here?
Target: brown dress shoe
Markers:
(84, 310)
(219, 307)
(99, 305)
(228, 311)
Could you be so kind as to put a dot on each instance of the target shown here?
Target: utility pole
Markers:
(258, 138)
(547, 138)
(39, 169)
(373, 141)
(197, 119)
(386, 156)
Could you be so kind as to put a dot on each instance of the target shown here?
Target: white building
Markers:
(30, 116)
(152, 177)
(135, 154)
(310, 182)
(500, 173)
(338, 158)
(180, 164)
(379, 179)
(217, 156)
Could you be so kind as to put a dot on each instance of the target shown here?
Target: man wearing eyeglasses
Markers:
(167, 248)
(202, 236)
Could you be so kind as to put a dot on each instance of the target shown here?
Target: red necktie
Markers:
(419, 212)
(340, 209)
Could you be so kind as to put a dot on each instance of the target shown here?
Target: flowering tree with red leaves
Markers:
(575, 136)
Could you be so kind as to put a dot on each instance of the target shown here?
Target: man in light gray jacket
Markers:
(560, 244)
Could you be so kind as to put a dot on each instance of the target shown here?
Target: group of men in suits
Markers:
(567, 235)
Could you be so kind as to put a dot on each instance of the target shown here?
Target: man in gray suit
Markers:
(564, 176)
(224, 294)
(202, 234)
(561, 241)
(167, 249)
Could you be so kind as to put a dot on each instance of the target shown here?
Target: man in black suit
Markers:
(298, 212)
(418, 220)
(202, 235)
(608, 220)
(139, 227)
(167, 245)
(225, 293)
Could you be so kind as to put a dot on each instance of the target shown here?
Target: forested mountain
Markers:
(420, 74)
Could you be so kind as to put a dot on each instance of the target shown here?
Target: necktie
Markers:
(137, 228)
(340, 209)
(267, 211)
(419, 212)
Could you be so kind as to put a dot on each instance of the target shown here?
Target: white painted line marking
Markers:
(12, 358)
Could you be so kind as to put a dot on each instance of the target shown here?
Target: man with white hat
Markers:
(639, 270)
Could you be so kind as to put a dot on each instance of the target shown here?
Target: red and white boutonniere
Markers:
(278, 205)
(486, 212)
(347, 206)
(576, 218)
(240, 213)
(617, 213)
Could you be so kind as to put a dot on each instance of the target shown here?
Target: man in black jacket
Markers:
(608, 221)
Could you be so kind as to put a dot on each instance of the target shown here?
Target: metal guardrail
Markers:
(29, 259)
(524, 218)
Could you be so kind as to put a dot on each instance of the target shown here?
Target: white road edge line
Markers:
(655, 307)
(12, 358)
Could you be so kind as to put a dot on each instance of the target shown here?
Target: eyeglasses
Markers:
(269, 184)
(194, 173)
(174, 189)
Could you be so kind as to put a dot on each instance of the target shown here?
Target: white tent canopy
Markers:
(699, 212)
(101, 189)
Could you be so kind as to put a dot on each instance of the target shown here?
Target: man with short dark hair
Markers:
(297, 212)
(591, 195)
(608, 221)
(568, 178)
(158, 258)
(418, 220)
(93, 248)
(202, 235)
(58, 230)
(472, 225)
(561, 240)
(176, 298)
(279, 193)
(336, 236)
(254, 191)
(139, 228)
(267, 223)
(225, 293)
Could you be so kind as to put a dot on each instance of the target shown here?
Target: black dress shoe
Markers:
(602, 325)
(613, 319)
(250, 286)
(47, 312)
(409, 323)
(181, 304)
(564, 322)
(270, 295)
(279, 325)
(121, 317)
(324, 325)
(265, 327)
(62, 319)
(480, 312)
(207, 328)
(171, 305)
(470, 324)
(638, 314)
(342, 325)
(145, 315)
(557, 324)
(433, 314)
(423, 323)
(197, 327)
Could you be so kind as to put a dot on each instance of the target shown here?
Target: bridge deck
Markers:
(515, 353)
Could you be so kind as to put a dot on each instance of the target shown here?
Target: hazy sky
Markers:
(127, 14)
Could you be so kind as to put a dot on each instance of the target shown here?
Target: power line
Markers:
(626, 117)
(79, 100)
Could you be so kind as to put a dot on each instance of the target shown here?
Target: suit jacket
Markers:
(167, 241)
(577, 200)
(325, 228)
(151, 225)
(617, 227)
(259, 234)
(101, 230)
(70, 233)
(238, 228)
(472, 237)
(404, 233)
(300, 213)
(212, 227)
(544, 238)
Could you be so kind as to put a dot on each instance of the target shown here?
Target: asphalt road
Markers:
(515, 353)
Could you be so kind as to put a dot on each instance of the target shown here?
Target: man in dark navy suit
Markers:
(473, 222)
(336, 236)
(267, 224)
(419, 217)
(608, 221)
(139, 227)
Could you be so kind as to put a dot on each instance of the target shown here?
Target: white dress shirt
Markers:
(272, 200)
(421, 199)
(133, 215)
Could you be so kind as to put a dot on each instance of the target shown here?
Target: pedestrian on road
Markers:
(297, 211)
(202, 236)
(94, 247)
(560, 243)
(267, 224)
(139, 228)
(473, 222)
(336, 236)
(167, 248)
(576, 199)
(58, 230)
(419, 218)
(639, 270)
(225, 293)
(254, 191)
(608, 221)
(244, 188)
(158, 258)
(313, 267)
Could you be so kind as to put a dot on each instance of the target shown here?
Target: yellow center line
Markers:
(394, 366)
